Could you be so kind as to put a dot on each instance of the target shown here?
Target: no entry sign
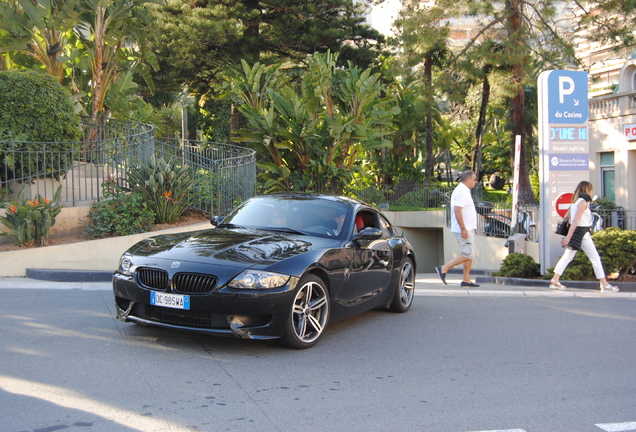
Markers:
(563, 203)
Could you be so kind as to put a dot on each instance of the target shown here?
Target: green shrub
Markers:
(518, 265)
(164, 185)
(617, 249)
(36, 109)
(119, 215)
(605, 203)
(370, 195)
(420, 198)
(29, 221)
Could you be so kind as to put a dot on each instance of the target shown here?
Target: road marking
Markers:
(503, 430)
(617, 427)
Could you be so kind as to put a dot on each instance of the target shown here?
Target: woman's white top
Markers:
(586, 218)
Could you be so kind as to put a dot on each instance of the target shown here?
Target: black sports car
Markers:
(278, 266)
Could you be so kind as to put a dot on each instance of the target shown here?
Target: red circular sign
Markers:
(563, 203)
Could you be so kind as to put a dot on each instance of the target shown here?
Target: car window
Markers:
(386, 227)
(313, 216)
(365, 219)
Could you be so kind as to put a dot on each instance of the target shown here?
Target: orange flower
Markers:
(34, 204)
(46, 201)
(167, 194)
(12, 208)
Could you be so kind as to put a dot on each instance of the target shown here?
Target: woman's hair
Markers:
(584, 186)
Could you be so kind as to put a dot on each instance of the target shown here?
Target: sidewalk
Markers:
(429, 284)
(426, 284)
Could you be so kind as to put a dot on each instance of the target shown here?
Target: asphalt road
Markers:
(453, 363)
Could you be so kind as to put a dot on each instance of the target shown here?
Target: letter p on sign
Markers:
(563, 90)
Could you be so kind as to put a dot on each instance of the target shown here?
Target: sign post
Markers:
(515, 186)
(564, 152)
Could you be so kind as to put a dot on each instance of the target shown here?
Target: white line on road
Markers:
(504, 430)
(617, 427)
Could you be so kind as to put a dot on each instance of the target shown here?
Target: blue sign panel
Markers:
(567, 97)
(568, 134)
(569, 162)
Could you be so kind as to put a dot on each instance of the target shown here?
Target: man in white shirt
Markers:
(463, 226)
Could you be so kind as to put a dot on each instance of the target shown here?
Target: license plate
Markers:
(175, 301)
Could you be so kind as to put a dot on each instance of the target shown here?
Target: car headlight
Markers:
(125, 264)
(254, 279)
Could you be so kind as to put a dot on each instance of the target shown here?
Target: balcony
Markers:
(614, 105)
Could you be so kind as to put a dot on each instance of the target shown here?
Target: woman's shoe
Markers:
(557, 285)
(609, 287)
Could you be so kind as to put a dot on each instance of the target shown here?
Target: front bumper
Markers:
(248, 314)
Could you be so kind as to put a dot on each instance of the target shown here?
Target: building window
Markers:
(634, 80)
(608, 172)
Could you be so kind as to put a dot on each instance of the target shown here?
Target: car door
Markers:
(371, 262)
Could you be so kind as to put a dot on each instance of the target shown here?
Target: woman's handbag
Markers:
(563, 227)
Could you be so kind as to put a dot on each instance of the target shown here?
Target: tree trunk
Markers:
(481, 126)
(517, 103)
(235, 121)
(98, 60)
(449, 170)
(429, 162)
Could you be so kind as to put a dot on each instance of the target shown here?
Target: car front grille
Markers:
(193, 283)
(182, 283)
(152, 278)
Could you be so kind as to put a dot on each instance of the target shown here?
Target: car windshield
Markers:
(300, 215)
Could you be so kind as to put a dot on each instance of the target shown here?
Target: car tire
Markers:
(309, 314)
(405, 288)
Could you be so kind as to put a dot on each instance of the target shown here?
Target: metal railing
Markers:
(224, 174)
(401, 197)
(619, 217)
(495, 220)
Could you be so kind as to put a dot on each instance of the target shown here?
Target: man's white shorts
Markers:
(466, 245)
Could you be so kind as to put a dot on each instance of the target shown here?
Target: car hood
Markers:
(224, 246)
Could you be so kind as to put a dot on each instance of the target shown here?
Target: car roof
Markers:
(351, 202)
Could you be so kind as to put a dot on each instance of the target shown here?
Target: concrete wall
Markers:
(491, 251)
(102, 254)
(434, 244)
(424, 229)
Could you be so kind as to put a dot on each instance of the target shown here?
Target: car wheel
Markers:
(309, 315)
(405, 289)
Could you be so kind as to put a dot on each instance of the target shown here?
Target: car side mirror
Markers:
(216, 220)
(368, 233)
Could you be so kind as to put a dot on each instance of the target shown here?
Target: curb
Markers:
(55, 275)
(541, 283)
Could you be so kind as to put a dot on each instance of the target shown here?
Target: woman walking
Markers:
(579, 238)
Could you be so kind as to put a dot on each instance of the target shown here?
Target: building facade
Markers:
(612, 127)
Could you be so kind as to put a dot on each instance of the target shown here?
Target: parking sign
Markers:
(567, 97)
(564, 149)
